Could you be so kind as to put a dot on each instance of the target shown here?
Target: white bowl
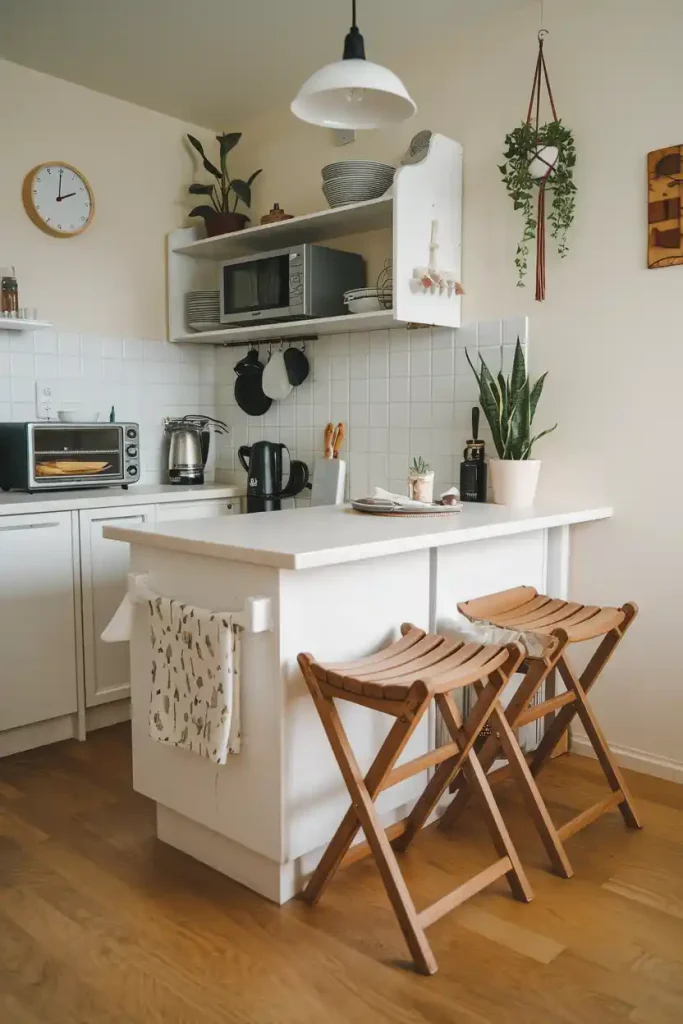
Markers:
(368, 304)
(65, 416)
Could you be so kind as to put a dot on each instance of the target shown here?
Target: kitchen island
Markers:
(339, 584)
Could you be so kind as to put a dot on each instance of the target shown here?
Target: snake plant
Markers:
(510, 406)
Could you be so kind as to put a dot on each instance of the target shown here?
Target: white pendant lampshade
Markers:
(353, 92)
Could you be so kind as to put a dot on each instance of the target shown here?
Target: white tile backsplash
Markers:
(144, 381)
(401, 394)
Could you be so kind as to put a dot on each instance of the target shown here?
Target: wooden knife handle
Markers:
(338, 439)
(329, 435)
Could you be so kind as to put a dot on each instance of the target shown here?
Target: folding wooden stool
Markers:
(561, 623)
(402, 680)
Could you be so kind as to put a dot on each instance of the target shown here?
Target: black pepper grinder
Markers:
(473, 468)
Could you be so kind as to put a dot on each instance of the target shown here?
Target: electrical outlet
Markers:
(44, 400)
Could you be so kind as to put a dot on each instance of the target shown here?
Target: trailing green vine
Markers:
(520, 148)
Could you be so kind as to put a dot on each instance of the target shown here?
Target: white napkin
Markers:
(398, 499)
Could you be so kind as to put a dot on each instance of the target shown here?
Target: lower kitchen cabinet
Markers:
(104, 569)
(38, 618)
(60, 583)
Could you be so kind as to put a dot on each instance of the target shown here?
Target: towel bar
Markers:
(253, 618)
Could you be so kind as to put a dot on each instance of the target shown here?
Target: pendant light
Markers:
(353, 92)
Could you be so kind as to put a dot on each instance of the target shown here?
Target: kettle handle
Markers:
(242, 452)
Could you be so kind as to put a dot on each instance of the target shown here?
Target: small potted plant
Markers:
(510, 406)
(221, 217)
(421, 480)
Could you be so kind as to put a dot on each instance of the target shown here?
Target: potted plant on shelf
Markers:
(510, 406)
(421, 480)
(221, 216)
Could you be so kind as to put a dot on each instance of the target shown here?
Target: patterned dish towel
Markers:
(195, 675)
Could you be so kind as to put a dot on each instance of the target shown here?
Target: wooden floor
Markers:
(101, 923)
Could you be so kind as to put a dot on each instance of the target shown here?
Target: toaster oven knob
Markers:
(132, 471)
(131, 451)
(131, 433)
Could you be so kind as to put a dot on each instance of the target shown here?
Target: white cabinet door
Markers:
(104, 569)
(198, 509)
(38, 672)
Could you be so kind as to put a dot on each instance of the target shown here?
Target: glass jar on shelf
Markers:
(9, 292)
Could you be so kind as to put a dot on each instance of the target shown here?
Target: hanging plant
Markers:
(540, 157)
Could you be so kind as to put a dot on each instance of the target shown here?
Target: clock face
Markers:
(58, 199)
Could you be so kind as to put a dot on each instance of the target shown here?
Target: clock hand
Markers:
(59, 193)
(67, 196)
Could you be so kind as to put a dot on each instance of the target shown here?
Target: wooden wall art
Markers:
(664, 206)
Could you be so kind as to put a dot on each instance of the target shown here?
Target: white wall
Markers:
(104, 290)
(111, 279)
(610, 330)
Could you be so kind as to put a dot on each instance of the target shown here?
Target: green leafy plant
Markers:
(419, 467)
(227, 190)
(520, 147)
(510, 406)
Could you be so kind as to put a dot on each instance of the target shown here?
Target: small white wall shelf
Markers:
(356, 218)
(421, 194)
(14, 324)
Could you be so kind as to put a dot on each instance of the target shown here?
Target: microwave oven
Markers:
(45, 455)
(300, 282)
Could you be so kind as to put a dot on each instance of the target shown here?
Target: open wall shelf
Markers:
(14, 324)
(421, 194)
(351, 324)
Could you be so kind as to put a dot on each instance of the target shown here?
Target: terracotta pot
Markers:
(514, 482)
(224, 223)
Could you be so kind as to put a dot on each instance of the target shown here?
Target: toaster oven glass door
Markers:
(78, 453)
(259, 284)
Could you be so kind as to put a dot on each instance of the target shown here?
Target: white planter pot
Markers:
(538, 165)
(514, 483)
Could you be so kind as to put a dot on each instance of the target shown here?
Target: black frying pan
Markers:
(249, 393)
(297, 366)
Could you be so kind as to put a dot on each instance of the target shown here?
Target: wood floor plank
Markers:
(101, 924)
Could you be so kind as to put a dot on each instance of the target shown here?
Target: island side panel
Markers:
(241, 799)
(337, 613)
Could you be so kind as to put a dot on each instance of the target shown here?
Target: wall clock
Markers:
(58, 199)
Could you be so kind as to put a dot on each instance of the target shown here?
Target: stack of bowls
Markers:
(368, 300)
(355, 181)
(202, 310)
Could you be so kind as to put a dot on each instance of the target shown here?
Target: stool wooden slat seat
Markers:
(560, 623)
(402, 680)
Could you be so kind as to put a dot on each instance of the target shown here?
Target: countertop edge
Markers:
(53, 501)
(357, 552)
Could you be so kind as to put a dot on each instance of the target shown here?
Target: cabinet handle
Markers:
(28, 526)
(229, 505)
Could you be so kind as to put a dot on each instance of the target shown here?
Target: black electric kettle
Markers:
(263, 463)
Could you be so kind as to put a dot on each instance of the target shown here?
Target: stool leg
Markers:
(448, 769)
(476, 776)
(612, 772)
(533, 799)
(396, 889)
(391, 749)
(532, 681)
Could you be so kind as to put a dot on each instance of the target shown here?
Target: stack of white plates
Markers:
(368, 300)
(202, 310)
(355, 181)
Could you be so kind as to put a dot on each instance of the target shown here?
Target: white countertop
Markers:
(310, 537)
(17, 502)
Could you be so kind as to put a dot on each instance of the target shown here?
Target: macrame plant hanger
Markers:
(541, 78)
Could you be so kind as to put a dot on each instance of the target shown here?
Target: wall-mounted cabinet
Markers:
(423, 193)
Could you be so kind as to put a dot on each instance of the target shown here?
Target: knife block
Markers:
(329, 477)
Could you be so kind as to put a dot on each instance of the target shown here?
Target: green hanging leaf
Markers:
(208, 166)
(242, 190)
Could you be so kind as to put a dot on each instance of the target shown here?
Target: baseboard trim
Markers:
(638, 760)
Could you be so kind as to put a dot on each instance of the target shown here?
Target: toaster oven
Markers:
(44, 455)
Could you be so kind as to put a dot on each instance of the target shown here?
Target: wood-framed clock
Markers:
(58, 199)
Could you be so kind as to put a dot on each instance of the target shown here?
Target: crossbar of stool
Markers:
(452, 758)
(572, 703)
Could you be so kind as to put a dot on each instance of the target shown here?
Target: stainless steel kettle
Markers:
(188, 450)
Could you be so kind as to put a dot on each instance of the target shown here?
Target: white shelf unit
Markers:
(422, 193)
(14, 324)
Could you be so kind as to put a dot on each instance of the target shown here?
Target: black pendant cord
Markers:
(354, 45)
